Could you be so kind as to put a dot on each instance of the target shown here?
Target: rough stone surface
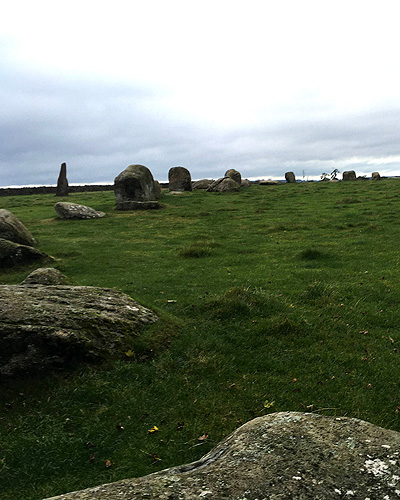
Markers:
(50, 325)
(245, 183)
(223, 185)
(13, 253)
(288, 455)
(202, 184)
(157, 190)
(234, 174)
(134, 184)
(376, 176)
(179, 179)
(290, 177)
(12, 229)
(67, 210)
(45, 276)
(349, 175)
(62, 183)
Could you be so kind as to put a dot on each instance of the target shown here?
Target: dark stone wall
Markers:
(52, 189)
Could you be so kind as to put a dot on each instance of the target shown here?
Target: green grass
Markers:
(270, 299)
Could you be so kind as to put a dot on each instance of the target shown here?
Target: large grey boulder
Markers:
(134, 189)
(45, 276)
(66, 210)
(349, 175)
(223, 185)
(376, 176)
(50, 325)
(62, 182)
(234, 174)
(179, 179)
(202, 183)
(12, 229)
(288, 455)
(13, 253)
(290, 177)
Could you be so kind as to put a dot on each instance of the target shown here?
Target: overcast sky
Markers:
(260, 86)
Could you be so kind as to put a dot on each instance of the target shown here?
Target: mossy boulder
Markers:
(134, 189)
(278, 456)
(234, 175)
(51, 325)
(12, 229)
(12, 253)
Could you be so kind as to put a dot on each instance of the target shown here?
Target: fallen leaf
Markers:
(203, 437)
(268, 404)
(129, 353)
(153, 455)
(108, 463)
(92, 457)
(153, 429)
(232, 386)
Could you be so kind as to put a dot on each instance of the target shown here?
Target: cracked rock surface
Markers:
(280, 456)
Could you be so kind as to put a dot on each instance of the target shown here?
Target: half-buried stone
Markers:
(51, 325)
(66, 210)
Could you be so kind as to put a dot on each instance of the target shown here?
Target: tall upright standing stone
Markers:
(179, 179)
(290, 177)
(62, 183)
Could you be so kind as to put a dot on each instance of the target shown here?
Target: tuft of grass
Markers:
(311, 254)
(195, 250)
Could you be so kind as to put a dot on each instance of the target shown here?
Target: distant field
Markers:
(270, 299)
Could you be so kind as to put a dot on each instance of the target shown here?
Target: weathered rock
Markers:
(67, 210)
(62, 183)
(202, 183)
(179, 179)
(234, 174)
(50, 325)
(288, 455)
(134, 189)
(13, 253)
(45, 276)
(290, 177)
(12, 229)
(245, 183)
(376, 176)
(223, 185)
(349, 175)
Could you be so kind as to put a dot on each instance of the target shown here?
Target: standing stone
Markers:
(179, 179)
(376, 176)
(62, 183)
(234, 175)
(349, 175)
(134, 189)
(290, 177)
(202, 184)
(223, 185)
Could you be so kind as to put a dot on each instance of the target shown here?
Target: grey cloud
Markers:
(99, 128)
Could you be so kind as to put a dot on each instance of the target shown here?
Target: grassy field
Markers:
(271, 299)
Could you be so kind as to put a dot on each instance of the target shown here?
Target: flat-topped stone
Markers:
(66, 210)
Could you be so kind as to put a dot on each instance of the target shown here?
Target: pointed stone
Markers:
(62, 183)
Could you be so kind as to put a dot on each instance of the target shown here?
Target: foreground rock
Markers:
(223, 185)
(279, 456)
(45, 276)
(62, 182)
(179, 179)
(46, 325)
(12, 229)
(12, 253)
(67, 210)
(349, 175)
(134, 189)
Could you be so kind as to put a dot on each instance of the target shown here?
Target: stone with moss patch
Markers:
(278, 456)
(52, 325)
